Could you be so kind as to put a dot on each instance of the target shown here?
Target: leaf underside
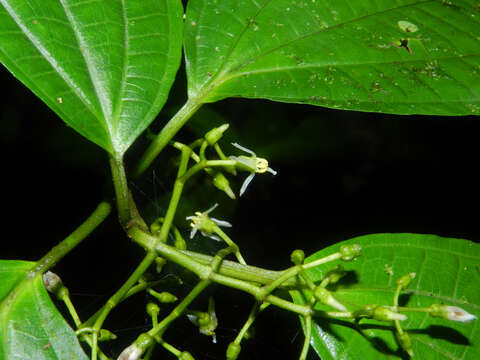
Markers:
(401, 57)
(105, 67)
(447, 271)
(31, 328)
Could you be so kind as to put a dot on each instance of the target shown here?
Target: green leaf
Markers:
(402, 57)
(30, 325)
(105, 67)
(447, 271)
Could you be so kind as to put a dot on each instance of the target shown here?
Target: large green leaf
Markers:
(447, 272)
(30, 325)
(105, 67)
(338, 53)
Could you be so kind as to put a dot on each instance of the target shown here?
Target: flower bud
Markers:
(53, 283)
(453, 313)
(366, 311)
(350, 251)
(325, 297)
(106, 335)
(163, 297)
(221, 182)
(233, 351)
(160, 262)
(335, 274)
(381, 313)
(180, 243)
(132, 352)
(405, 280)
(215, 134)
(297, 257)
(405, 343)
(152, 309)
(135, 351)
(155, 227)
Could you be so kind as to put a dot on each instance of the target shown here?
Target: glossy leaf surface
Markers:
(30, 325)
(447, 272)
(105, 67)
(402, 57)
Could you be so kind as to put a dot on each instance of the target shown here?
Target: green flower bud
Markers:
(381, 313)
(335, 274)
(144, 341)
(325, 297)
(297, 256)
(155, 227)
(185, 355)
(106, 335)
(233, 351)
(366, 311)
(215, 134)
(163, 297)
(405, 280)
(160, 262)
(180, 243)
(152, 309)
(350, 251)
(222, 183)
(405, 343)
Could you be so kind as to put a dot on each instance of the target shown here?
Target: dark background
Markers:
(340, 174)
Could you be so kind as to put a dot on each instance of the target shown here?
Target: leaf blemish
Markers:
(407, 26)
(403, 43)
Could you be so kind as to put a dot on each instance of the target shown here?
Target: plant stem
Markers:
(166, 134)
(71, 241)
(197, 262)
(121, 189)
(179, 309)
(244, 272)
(308, 337)
(118, 297)
(203, 271)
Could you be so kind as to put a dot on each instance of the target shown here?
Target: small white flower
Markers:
(201, 221)
(253, 164)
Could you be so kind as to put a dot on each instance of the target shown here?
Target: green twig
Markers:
(166, 134)
(121, 189)
(71, 241)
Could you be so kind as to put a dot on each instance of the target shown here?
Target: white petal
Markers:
(193, 232)
(193, 318)
(246, 182)
(211, 209)
(190, 217)
(221, 222)
(238, 146)
(214, 237)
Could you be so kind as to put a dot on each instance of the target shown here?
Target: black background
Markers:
(350, 174)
